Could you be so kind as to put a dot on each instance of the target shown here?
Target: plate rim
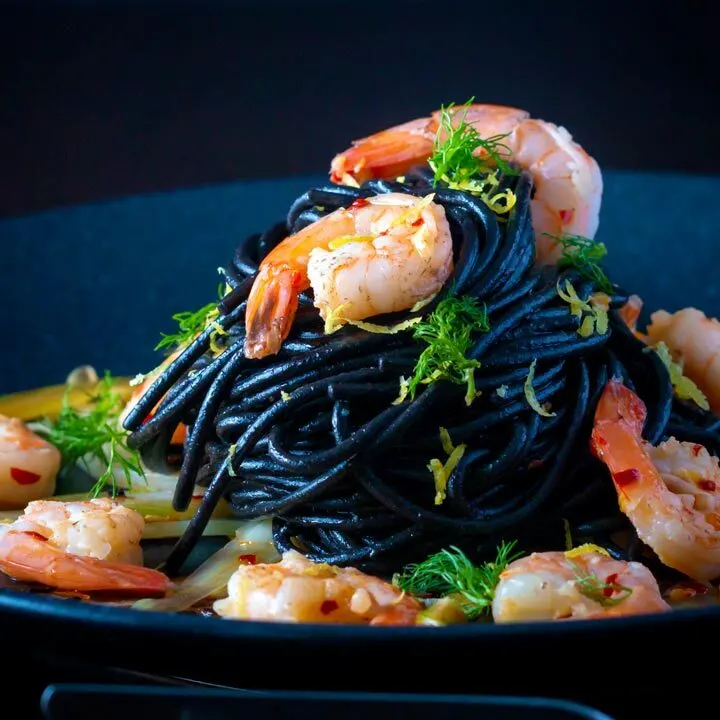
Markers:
(117, 618)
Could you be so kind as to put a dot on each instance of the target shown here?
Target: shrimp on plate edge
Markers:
(670, 493)
(296, 589)
(583, 583)
(64, 545)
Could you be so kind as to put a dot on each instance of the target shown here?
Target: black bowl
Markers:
(661, 232)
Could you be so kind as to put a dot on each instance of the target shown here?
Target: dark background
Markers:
(101, 99)
(106, 100)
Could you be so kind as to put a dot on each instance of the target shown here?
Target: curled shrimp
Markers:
(694, 339)
(89, 546)
(630, 314)
(568, 182)
(582, 583)
(382, 254)
(299, 590)
(670, 493)
(28, 465)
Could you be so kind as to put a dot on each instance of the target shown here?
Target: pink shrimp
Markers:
(694, 340)
(581, 583)
(670, 493)
(568, 182)
(381, 255)
(29, 465)
(91, 546)
(299, 590)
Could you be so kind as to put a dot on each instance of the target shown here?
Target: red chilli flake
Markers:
(250, 559)
(417, 223)
(328, 606)
(24, 477)
(360, 203)
(610, 580)
(627, 477)
(707, 485)
(35, 535)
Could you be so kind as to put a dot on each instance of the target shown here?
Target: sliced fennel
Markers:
(252, 540)
(153, 506)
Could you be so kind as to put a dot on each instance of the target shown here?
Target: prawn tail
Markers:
(271, 309)
(133, 580)
(619, 404)
(27, 558)
(385, 155)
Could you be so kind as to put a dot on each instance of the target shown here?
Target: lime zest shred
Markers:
(420, 304)
(385, 329)
(592, 313)
(445, 439)
(404, 391)
(284, 396)
(573, 552)
(335, 320)
(345, 239)
(684, 387)
(442, 471)
(231, 454)
(530, 393)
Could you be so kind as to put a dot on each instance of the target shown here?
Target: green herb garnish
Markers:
(448, 333)
(456, 143)
(95, 433)
(683, 386)
(450, 572)
(607, 594)
(585, 255)
(191, 324)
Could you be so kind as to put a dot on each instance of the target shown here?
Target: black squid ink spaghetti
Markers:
(418, 400)
(315, 436)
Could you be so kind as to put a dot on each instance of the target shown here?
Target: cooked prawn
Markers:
(28, 465)
(582, 583)
(380, 255)
(670, 493)
(630, 314)
(694, 339)
(568, 182)
(79, 546)
(299, 590)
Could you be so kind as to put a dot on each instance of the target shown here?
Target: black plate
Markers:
(67, 702)
(664, 227)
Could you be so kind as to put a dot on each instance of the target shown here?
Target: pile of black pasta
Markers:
(312, 438)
